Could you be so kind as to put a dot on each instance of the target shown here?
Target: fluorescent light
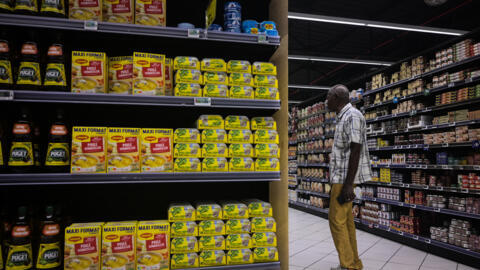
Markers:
(339, 60)
(414, 29)
(294, 102)
(310, 18)
(313, 87)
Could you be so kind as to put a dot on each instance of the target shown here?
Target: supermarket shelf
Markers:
(426, 187)
(292, 143)
(135, 178)
(313, 179)
(255, 266)
(315, 138)
(319, 194)
(422, 146)
(429, 167)
(292, 158)
(313, 115)
(321, 165)
(314, 152)
(391, 101)
(166, 101)
(130, 29)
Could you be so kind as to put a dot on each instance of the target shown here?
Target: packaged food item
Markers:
(215, 90)
(216, 242)
(267, 123)
(267, 165)
(151, 12)
(6, 78)
(22, 158)
(83, 246)
(58, 151)
(208, 211)
(153, 245)
(241, 92)
(264, 239)
(89, 72)
(214, 64)
(264, 68)
(118, 245)
(215, 77)
(188, 76)
(185, 244)
(187, 150)
(234, 210)
(28, 74)
(214, 150)
(184, 228)
(49, 249)
(241, 79)
(266, 81)
(89, 150)
(237, 122)
(52, 8)
(210, 122)
(168, 76)
(187, 165)
(267, 150)
(120, 75)
(258, 208)
(265, 254)
(157, 154)
(240, 150)
(240, 66)
(267, 93)
(55, 78)
(214, 136)
(211, 227)
(26, 7)
(188, 90)
(240, 136)
(19, 249)
(89, 10)
(123, 152)
(264, 224)
(215, 164)
(184, 260)
(238, 241)
(266, 136)
(239, 256)
(212, 258)
(148, 74)
(241, 164)
(238, 226)
(186, 62)
(118, 11)
(181, 212)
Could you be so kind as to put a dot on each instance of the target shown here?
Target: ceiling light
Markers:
(313, 87)
(310, 18)
(414, 29)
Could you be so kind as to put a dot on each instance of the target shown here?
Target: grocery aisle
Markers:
(312, 248)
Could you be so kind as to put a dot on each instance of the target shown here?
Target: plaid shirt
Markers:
(350, 128)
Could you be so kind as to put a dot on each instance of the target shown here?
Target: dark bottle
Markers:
(28, 77)
(19, 255)
(49, 249)
(36, 148)
(6, 78)
(6, 6)
(6, 227)
(27, 7)
(55, 78)
(58, 151)
(21, 157)
(3, 161)
(52, 8)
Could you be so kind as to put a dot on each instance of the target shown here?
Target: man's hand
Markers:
(347, 193)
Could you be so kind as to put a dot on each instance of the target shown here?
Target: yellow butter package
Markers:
(216, 242)
(88, 10)
(153, 245)
(186, 62)
(212, 258)
(214, 136)
(148, 74)
(240, 136)
(267, 93)
(210, 122)
(267, 165)
(238, 241)
(83, 246)
(237, 122)
(187, 150)
(239, 256)
(264, 68)
(208, 211)
(266, 136)
(240, 66)
(234, 210)
(214, 150)
(266, 81)
(264, 239)
(215, 90)
(183, 228)
(89, 150)
(186, 135)
(118, 245)
(241, 164)
(184, 260)
(258, 208)
(118, 11)
(215, 164)
(168, 76)
(241, 150)
(211, 227)
(265, 254)
(123, 151)
(213, 64)
(245, 92)
(157, 150)
(120, 75)
(89, 72)
(215, 77)
(184, 244)
(151, 12)
(267, 150)
(188, 76)
(188, 90)
(181, 212)
(263, 224)
(187, 165)
(263, 123)
(235, 226)
(241, 79)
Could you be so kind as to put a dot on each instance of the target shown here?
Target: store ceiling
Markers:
(346, 41)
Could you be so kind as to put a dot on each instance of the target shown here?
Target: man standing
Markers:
(349, 165)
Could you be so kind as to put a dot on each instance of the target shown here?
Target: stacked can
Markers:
(233, 17)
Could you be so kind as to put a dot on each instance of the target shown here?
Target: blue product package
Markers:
(186, 26)
(233, 23)
(232, 15)
(268, 25)
(215, 27)
(232, 6)
(272, 33)
(247, 24)
(251, 31)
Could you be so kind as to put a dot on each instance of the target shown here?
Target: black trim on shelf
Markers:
(254, 266)
(321, 165)
(429, 167)
(311, 139)
(314, 152)
(389, 102)
(319, 194)
(427, 128)
(464, 191)
(422, 146)
(292, 143)
(313, 179)
(312, 115)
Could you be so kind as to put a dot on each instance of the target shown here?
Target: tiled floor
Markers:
(311, 248)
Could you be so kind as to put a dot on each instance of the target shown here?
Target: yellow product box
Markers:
(168, 76)
(153, 249)
(258, 208)
(267, 165)
(234, 210)
(235, 226)
(120, 75)
(89, 150)
(184, 244)
(123, 151)
(151, 12)
(216, 242)
(240, 136)
(188, 90)
(184, 260)
(214, 150)
(208, 211)
(187, 150)
(245, 92)
(238, 241)
(186, 135)
(239, 256)
(240, 150)
(118, 245)
(212, 258)
(183, 228)
(266, 81)
(240, 66)
(148, 74)
(181, 212)
(266, 136)
(118, 11)
(241, 79)
(264, 239)
(89, 72)
(88, 10)
(188, 76)
(215, 164)
(157, 153)
(210, 122)
(214, 136)
(186, 62)
(215, 90)
(211, 227)
(265, 254)
(267, 150)
(83, 246)
(215, 77)
(187, 165)
(213, 64)
(237, 122)
(267, 93)
(264, 68)
(267, 123)
(263, 224)
(241, 164)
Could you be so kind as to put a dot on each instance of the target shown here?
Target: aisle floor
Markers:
(312, 248)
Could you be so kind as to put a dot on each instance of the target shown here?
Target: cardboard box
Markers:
(89, 150)
(157, 153)
(148, 74)
(151, 12)
(119, 245)
(153, 245)
(83, 246)
(123, 151)
(120, 75)
(89, 72)
(89, 10)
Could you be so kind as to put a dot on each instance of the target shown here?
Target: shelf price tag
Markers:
(415, 237)
(428, 241)
(426, 92)
(436, 210)
(476, 144)
(90, 25)
(464, 190)
(6, 95)
(203, 101)
(400, 233)
(468, 80)
(440, 188)
(476, 168)
(451, 84)
(413, 112)
(262, 38)
(413, 206)
(193, 33)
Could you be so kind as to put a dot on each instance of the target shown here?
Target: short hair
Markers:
(341, 92)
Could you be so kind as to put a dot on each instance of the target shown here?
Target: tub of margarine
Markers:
(184, 260)
(211, 227)
(240, 150)
(183, 228)
(267, 165)
(210, 122)
(263, 123)
(265, 136)
(266, 81)
(264, 239)
(213, 64)
(265, 254)
(188, 90)
(240, 136)
(186, 62)
(212, 258)
(241, 164)
(264, 68)
(234, 210)
(188, 76)
(214, 136)
(263, 224)
(215, 242)
(215, 90)
(239, 256)
(187, 150)
(187, 165)
(267, 93)
(215, 77)
(241, 79)
(215, 164)
(236, 122)
(234, 226)
(267, 150)
(236, 241)
(181, 212)
(258, 208)
(208, 211)
(184, 244)
(239, 66)
(214, 150)
(186, 135)
(241, 92)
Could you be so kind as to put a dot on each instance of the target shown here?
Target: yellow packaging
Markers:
(263, 123)
(215, 164)
(153, 245)
(188, 90)
(185, 260)
(267, 165)
(210, 122)
(83, 246)
(211, 227)
(267, 150)
(234, 210)
(186, 62)
(241, 92)
(120, 75)
(212, 258)
(241, 164)
(185, 244)
(266, 81)
(148, 74)
(264, 239)
(89, 150)
(240, 66)
(208, 211)
(123, 151)
(187, 150)
(267, 93)
(239, 256)
(168, 76)
(215, 90)
(118, 11)
(238, 241)
(265, 254)
(118, 245)
(240, 150)
(89, 72)
(258, 208)
(151, 12)
(241, 79)
(240, 136)
(215, 77)
(214, 150)
(264, 68)
(214, 136)
(266, 136)
(88, 10)
(184, 228)
(216, 242)
(235, 226)
(237, 122)
(186, 135)
(188, 76)
(264, 224)
(187, 165)
(213, 64)
(181, 212)
(157, 154)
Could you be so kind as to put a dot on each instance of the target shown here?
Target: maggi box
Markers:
(123, 152)
(148, 74)
(88, 10)
(118, 245)
(153, 245)
(267, 93)
(118, 11)
(89, 72)
(188, 76)
(240, 79)
(83, 246)
(120, 75)
(215, 77)
(266, 81)
(151, 12)
(89, 149)
(157, 153)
